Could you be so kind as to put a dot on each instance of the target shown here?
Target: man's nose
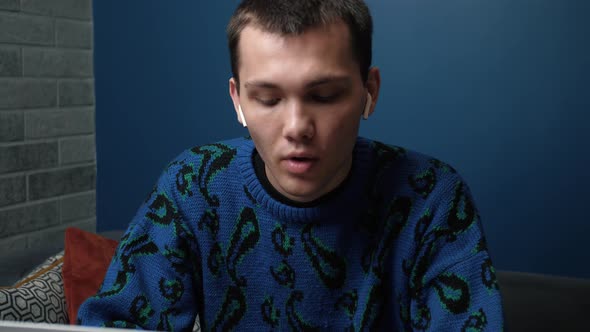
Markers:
(299, 125)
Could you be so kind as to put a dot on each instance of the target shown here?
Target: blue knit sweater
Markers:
(398, 246)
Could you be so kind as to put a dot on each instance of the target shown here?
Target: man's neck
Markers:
(259, 169)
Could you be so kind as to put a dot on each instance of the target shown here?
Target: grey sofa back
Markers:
(535, 302)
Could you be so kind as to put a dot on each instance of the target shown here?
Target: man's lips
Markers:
(298, 163)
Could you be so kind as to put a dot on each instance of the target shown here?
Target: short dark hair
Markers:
(294, 17)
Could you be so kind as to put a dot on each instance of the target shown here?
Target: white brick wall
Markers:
(47, 126)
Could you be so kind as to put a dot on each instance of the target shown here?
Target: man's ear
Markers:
(373, 84)
(235, 96)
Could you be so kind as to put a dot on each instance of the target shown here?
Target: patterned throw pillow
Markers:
(39, 297)
(43, 266)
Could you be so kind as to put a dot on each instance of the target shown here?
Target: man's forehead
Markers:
(286, 30)
(317, 56)
(343, 80)
(256, 31)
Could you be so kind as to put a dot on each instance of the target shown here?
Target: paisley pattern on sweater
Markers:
(215, 157)
(348, 302)
(330, 267)
(296, 322)
(408, 255)
(270, 314)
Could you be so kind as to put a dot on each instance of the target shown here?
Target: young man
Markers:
(303, 226)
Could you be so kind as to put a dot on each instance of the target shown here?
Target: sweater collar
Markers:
(348, 200)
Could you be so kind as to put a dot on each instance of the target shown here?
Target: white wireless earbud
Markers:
(242, 116)
(367, 106)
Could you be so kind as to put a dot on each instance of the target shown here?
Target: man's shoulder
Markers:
(388, 155)
(203, 153)
(411, 172)
(211, 157)
(199, 165)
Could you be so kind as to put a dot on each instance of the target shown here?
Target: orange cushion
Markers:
(86, 259)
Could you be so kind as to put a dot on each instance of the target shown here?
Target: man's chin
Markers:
(300, 192)
(297, 188)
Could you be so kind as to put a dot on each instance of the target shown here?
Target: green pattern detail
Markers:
(270, 314)
(283, 243)
(462, 213)
(185, 178)
(245, 237)
(422, 226)
(422, 317)
(284, 274)
(476, 322)
(396, 219)
(442, 166)
(453, 292)
(423, 183)
(129, 249)
(330, 267)
(162, 211)
(210, 220)
(215, 157)
(141, 310)
(215, 259)
(373, 308)
(171, 290)
(488, 276)
(348, 302)
(232, 310)
(296, 322)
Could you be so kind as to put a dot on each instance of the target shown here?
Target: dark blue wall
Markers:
(500, 89)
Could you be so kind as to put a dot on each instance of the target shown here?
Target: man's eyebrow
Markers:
(328, 79)
(260, 84)
(319, 81)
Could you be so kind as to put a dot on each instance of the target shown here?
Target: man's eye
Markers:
(325, 98)
(268, 101)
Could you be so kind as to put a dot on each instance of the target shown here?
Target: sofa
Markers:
(532, 302)
(47, 282)
(537, 302)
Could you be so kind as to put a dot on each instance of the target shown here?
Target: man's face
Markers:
(302, 98)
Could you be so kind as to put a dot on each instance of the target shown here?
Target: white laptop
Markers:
(9, 326)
